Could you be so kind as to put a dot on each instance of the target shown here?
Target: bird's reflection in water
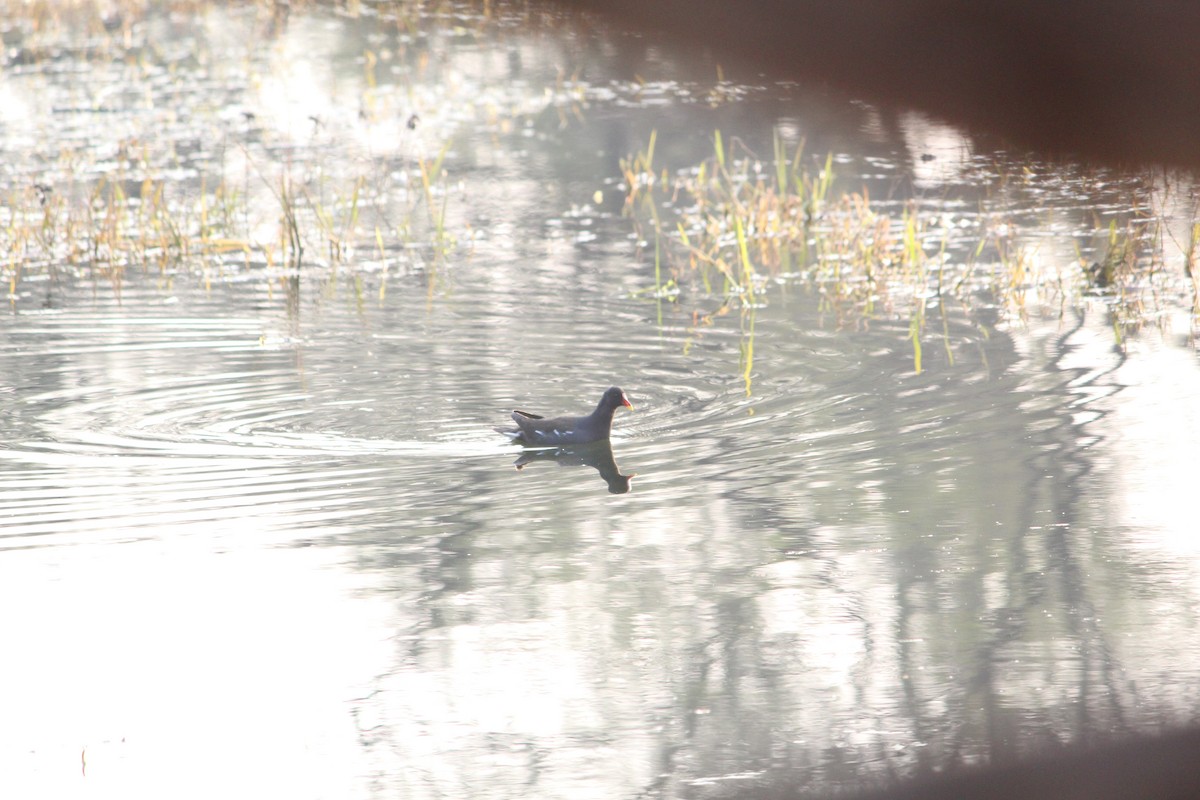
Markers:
(598, 455)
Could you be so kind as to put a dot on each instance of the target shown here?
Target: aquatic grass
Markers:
(295, 205)
(383, 264)
(433, 187)
(291, 243)
(104, 225)
(640, 203)
(735, 226)
(1189, 268)
(748, 224)
(746, 350)
(112, 229)
(788, 221)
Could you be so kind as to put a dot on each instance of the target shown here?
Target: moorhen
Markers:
(534, 430)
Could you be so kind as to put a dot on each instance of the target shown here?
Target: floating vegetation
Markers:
(736, 223)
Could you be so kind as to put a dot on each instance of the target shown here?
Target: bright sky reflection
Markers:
(176, 670)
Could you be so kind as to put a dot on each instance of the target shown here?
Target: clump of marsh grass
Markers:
(740, 224)
(736, 224)
(294, 209)
(98, 226)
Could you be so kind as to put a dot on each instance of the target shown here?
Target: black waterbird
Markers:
(538, 431)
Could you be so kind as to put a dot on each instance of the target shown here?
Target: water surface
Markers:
(259, 538)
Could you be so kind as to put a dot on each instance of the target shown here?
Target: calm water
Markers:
(259, 539)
